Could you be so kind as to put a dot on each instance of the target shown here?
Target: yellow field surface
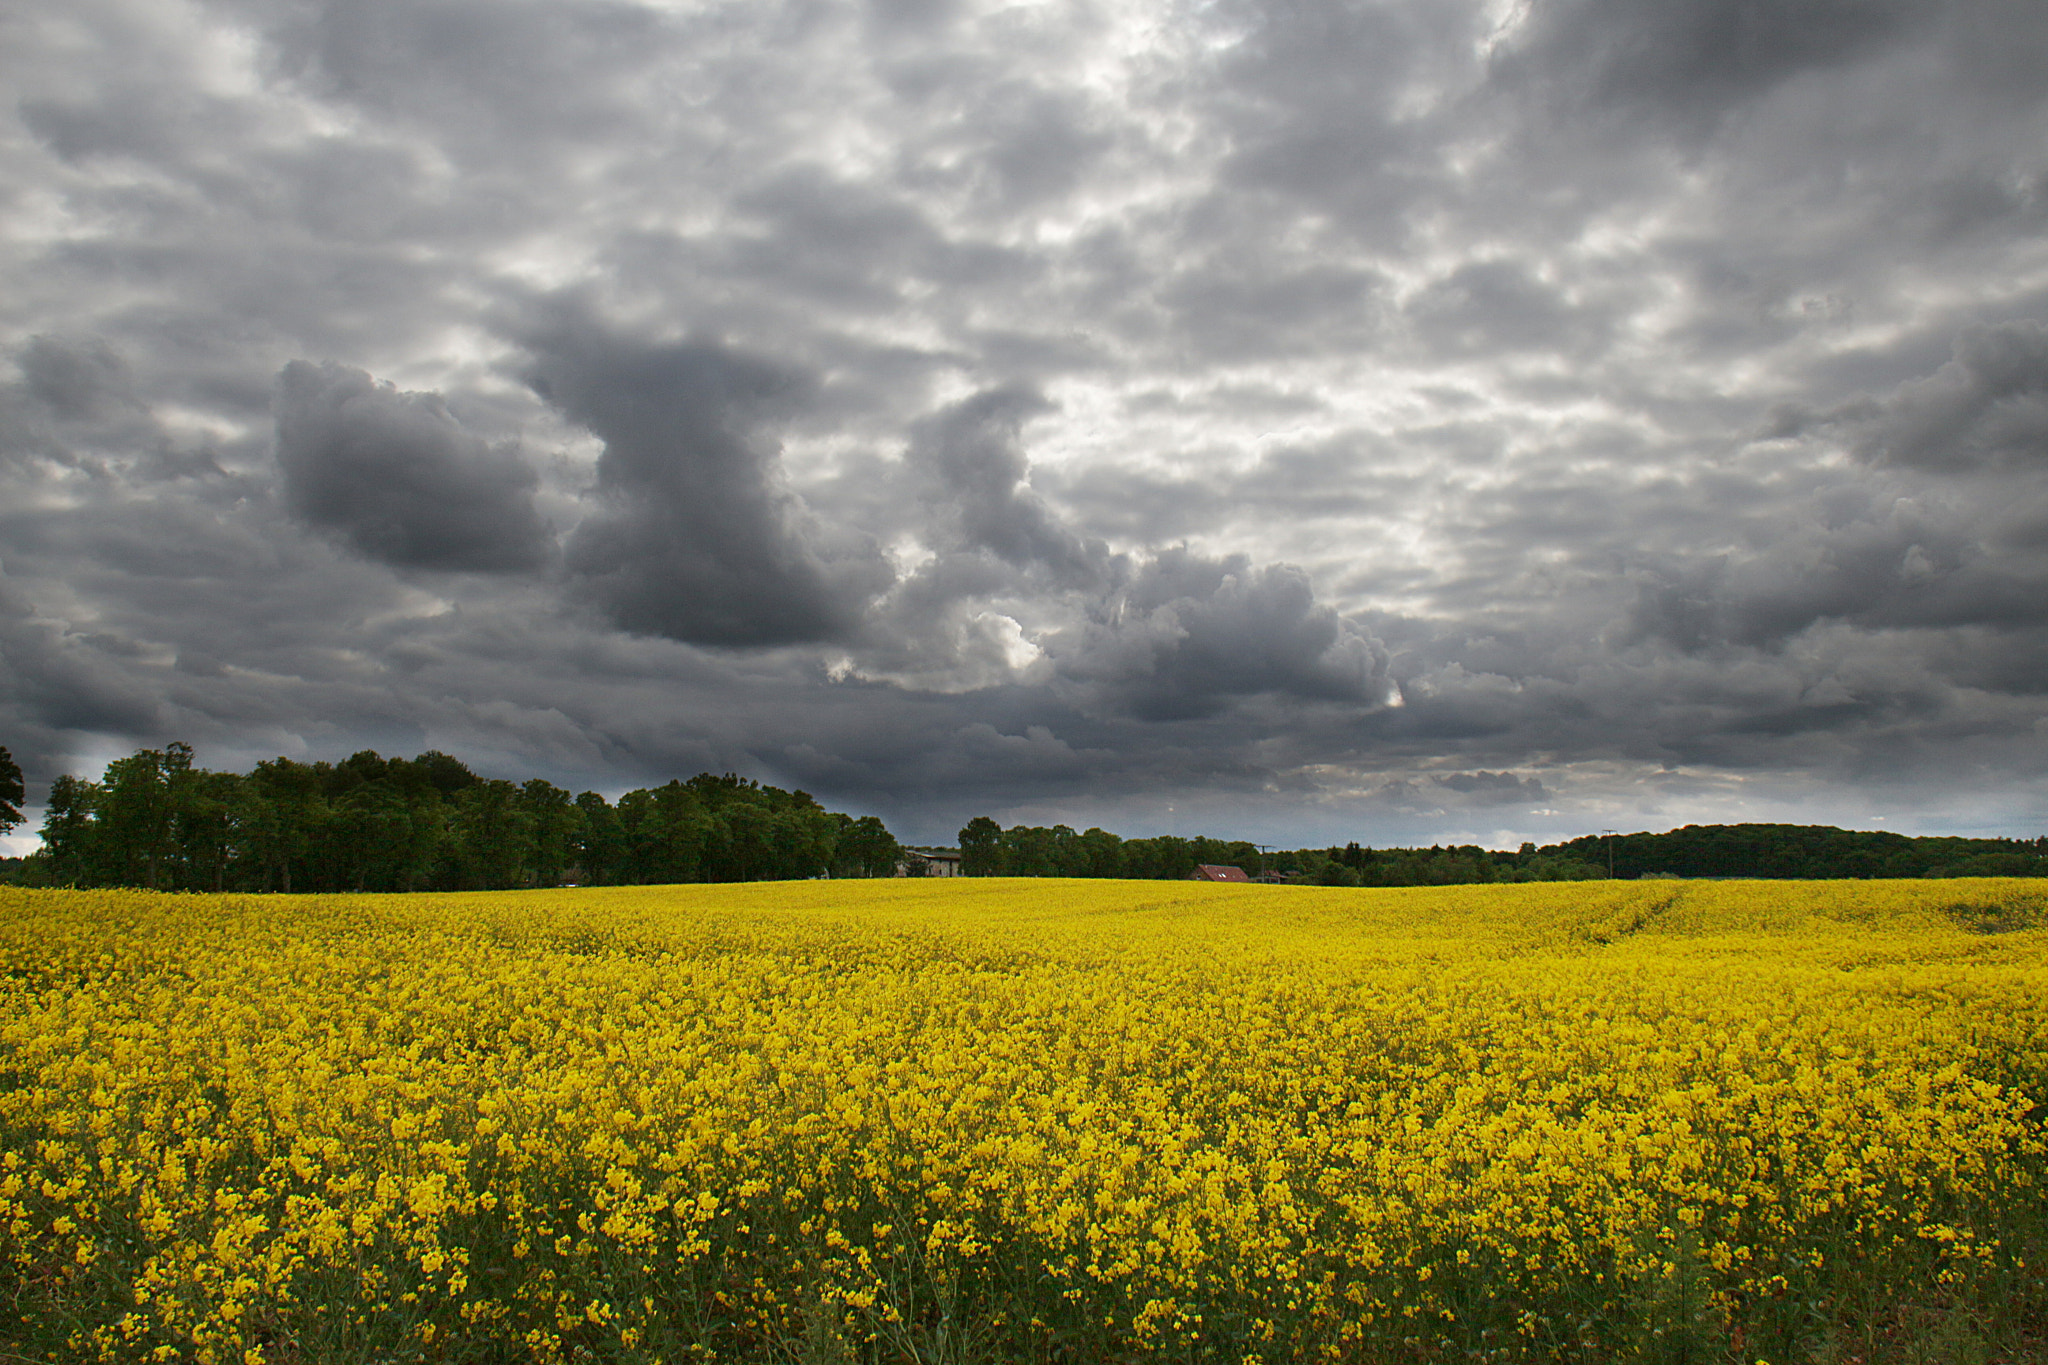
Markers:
(1006, 1120)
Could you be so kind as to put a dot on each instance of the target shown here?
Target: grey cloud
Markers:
(694, 536)
(1495, 306)
(1902, 568)
(79, 407)
(1495, 789)
(2003, 45)
(1001, 143)
(1693, 60)
(1986, 409)
(53, 678)
(973, 453)
(483, 68)
(1040, 144)
(1253, 305)
(1313, 96)
(853, 246)
(399, 478)
(79, 381)
(912, 16)
(1186, 635)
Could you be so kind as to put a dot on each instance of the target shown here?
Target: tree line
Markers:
(370, 823)
(1770, 851)
(1808, 851)
(989, 850)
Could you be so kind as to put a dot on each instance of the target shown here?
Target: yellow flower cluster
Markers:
(1008, 1119)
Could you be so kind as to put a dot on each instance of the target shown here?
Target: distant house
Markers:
(1209, 872)
(929, 862)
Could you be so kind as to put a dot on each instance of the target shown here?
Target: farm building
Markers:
(925, 862)
(1209, 872)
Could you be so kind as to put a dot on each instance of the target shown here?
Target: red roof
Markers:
(1209, 872)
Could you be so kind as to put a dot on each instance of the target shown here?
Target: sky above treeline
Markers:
(1418, 421)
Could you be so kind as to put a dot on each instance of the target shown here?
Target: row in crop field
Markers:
(1023, 1120)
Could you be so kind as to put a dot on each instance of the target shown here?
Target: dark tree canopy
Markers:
(12, 793)
(370, 823)
(1816, 851)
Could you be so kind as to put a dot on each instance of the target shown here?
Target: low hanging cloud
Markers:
(398, 478)
(695, 537)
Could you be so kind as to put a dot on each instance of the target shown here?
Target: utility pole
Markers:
(1607, 838)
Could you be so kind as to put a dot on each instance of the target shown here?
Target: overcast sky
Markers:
(1303, 420)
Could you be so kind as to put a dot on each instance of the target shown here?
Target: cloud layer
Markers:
(1321, 421)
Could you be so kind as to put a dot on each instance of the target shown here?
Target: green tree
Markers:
(279, 817)
(493, 836)
(556, 821)
(864, 848)
(600, 842)
(981, 848)
(73, 851)
(1102, 854)
(203, 828)
(802, 836)
(666, 832)
(138, 806)
(12, 793)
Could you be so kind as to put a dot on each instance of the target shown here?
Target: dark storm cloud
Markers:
(399, 478)
(695, 537)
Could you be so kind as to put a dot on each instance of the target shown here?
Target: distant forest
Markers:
(1816, 851)
(370, 823)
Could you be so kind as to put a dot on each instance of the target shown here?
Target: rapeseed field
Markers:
(998, 1120)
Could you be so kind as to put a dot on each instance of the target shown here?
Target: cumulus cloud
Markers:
(398, 478)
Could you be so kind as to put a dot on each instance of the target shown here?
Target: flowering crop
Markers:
(1001, 1119)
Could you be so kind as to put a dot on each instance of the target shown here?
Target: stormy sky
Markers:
(1306, 420)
